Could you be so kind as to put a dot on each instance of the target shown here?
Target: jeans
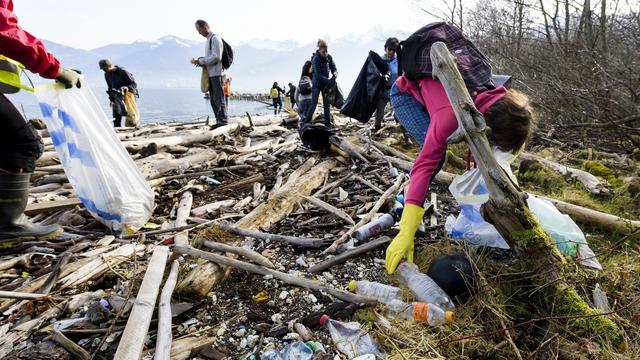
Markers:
(20, 144)
(216, 96)
(117, 121)
(315, 94)
(276, 103)
(303, 108)
(413, 117)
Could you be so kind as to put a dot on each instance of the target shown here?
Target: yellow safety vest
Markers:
(10, 71)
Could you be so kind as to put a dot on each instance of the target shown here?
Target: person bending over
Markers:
(424, 110)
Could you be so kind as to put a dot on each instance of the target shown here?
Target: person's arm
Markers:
(332, 67)
(21, 46)
(130, 81)
(215, 55)
(442, 124)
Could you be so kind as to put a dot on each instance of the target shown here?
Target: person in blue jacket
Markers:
(389, 56)
(322, 63)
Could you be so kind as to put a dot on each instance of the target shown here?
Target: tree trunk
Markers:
(507, 211)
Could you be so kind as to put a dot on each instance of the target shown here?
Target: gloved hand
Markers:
(69, 78)
(403, 242)
(335, 74)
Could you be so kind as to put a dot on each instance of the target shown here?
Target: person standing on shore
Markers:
(119, 83)
(227, 91)
(275, 93)
(20, 144)
(321, 64)
(389, 56)
(292, 94)
(212, 61)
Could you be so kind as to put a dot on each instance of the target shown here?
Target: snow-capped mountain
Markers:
(257, 64)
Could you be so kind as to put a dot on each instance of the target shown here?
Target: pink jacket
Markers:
(442, 124)
(21, 46)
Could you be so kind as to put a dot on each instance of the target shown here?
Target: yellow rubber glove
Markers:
(403, 242)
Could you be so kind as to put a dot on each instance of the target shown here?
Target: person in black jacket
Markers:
(118, 81)
(321, 64)
(292, 94)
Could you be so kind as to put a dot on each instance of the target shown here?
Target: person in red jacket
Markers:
(20, 144)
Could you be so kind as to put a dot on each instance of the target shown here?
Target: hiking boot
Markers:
(14, 225)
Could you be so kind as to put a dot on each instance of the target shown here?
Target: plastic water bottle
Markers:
(423, 287)
(421, 312)
(381, 292)
(350, 339)
(375, 227)
(295, 350)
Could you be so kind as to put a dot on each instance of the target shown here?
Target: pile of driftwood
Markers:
(246, 196)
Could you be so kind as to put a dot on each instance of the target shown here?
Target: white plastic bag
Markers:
(101, 171)
(470, 192)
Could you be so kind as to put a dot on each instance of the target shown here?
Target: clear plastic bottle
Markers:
(423, 287)
(421, 312)
(375, 227)
(296, 350)
(350, 339)
(381, 292)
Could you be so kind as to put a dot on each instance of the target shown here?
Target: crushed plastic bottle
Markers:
(423, 287)
(421, 312)
(350, 339)
(209, 180)
(293, 351)
(381, 292)
(375, 227)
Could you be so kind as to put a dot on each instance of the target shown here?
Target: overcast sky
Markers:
(89, 24)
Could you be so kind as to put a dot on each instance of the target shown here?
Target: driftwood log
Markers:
(165, 335)
(135, 332)
(588, 180)
(506, 209)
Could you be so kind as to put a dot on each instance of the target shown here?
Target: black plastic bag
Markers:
(333, 94)
(363, 97)
(315, 136)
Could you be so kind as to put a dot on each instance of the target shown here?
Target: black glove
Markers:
(69, 78)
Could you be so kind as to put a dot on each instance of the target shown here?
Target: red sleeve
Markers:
(21, 46)
(442, 124)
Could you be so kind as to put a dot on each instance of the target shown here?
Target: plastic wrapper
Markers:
(98, 167)
(470, 192)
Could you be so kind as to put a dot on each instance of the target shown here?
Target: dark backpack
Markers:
(415, 58)
(304, 86)
(227, 54)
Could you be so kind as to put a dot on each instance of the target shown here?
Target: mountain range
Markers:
(164, 63)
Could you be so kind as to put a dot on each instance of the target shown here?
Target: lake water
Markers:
(156, 105)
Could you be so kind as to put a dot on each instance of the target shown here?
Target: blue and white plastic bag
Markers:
(96, 163)
(470, 192)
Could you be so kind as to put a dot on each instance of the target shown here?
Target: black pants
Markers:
(20, 144)
(315, 95)
(218, 103)
(117, 120)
